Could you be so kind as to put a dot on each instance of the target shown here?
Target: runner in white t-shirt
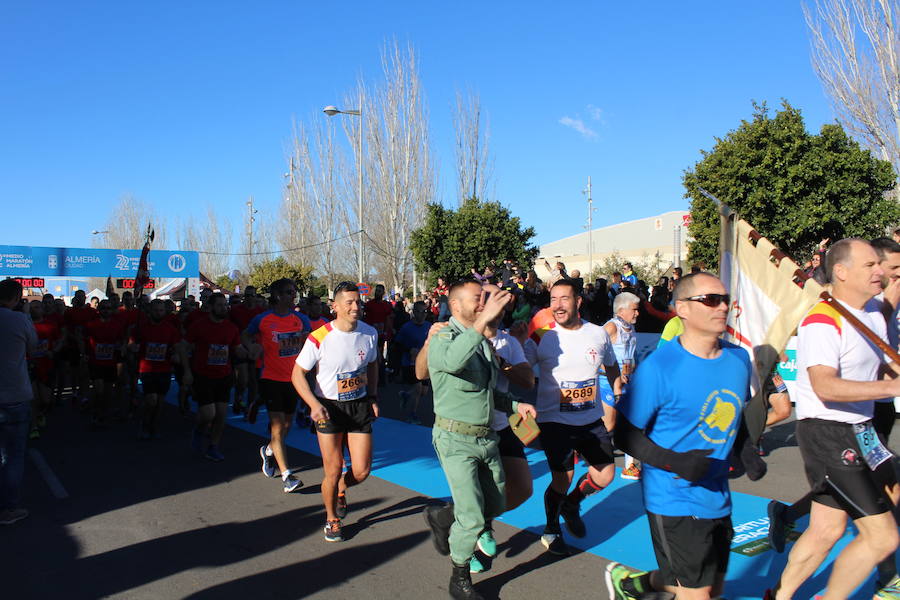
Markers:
(570, 412)
(344, 404)
(838, 378)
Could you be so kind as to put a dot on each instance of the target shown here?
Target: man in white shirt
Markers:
(345, 401)
(838, 379)
(570, 411)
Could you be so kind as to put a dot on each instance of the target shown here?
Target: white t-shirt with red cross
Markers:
(342, 358)
(569, 361)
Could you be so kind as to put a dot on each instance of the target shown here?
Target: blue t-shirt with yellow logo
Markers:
(684, 402)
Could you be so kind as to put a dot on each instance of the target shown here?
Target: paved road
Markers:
(153, 520)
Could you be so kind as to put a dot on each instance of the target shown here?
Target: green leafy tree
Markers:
(452, 242)
(264, 273)
(792, 187)
(649, 268)
(225, 282)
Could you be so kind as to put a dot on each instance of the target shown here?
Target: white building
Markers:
(633, 240)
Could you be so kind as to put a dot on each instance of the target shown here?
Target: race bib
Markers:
(288, 342)
(352, 385)
(104, 351)
(218, 355)
(156, 352)
(42, 350)
(870, 445)
(576, 396)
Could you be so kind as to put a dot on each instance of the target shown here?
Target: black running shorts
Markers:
(591, 442)
(883, 420)
(838, 476)
(107, 373)
(279, 396)
(510, 445)
(691, 552)
(156, 383)
(349, 416)
(210, 390)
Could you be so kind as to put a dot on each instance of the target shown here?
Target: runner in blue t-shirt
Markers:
(412, 337)
(681, 417)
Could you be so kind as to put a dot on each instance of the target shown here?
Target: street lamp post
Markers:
(331, 111)
(105, 236)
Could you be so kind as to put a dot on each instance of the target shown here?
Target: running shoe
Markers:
(268, 462)
(333, 531)
(554, 544)
(619, 584)
(631, 472)
(569, 511)
(292, 484)
(237, 407)
(890, 591)
(34, 434)
(475, 565)
(213, 454)
(486, 543)
(252, 412)
(12, 515)
(341, 509)
(777, 525)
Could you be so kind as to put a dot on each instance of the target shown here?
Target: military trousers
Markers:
(474, 472)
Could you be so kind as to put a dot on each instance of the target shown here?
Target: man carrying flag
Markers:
(838, 378)
(143, 272)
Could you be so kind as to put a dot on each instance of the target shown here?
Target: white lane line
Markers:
(53, 482)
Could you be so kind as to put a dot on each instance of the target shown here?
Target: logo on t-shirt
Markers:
(592, 356)
(361, 355)
(718, 416)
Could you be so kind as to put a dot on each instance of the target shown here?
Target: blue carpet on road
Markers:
(617, 525)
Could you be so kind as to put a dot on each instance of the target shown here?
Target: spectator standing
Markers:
(17, 338)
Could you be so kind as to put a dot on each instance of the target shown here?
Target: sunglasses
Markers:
(711, 300)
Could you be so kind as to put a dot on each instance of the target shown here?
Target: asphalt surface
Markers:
(151, 519)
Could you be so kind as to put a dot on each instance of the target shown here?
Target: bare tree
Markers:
(212, 241)
(126, 226)
(856, 54)
(397, 163)
(474, 165)
(316, 204)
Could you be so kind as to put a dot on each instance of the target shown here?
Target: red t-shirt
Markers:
(192, 318)
(79, 317)
(241, 316)
(320, 322)
(214, 345)
(47, 334)
(104, 341)
(281, 337)
(157, 343)
(377, 313)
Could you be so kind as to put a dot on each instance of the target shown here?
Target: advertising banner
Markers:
(33, 261)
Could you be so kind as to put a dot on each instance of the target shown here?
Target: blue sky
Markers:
(189, 103)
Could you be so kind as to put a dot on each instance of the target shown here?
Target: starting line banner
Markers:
(31, 261)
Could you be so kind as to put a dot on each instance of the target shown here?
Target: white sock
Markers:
(285, 475)
(269, 451)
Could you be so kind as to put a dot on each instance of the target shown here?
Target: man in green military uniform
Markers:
(463, 370)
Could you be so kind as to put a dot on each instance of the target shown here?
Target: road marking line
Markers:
(56, 487)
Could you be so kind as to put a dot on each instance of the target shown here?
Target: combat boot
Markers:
(461, 587)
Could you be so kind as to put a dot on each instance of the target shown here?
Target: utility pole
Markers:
(590, 228)
(250, 219)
